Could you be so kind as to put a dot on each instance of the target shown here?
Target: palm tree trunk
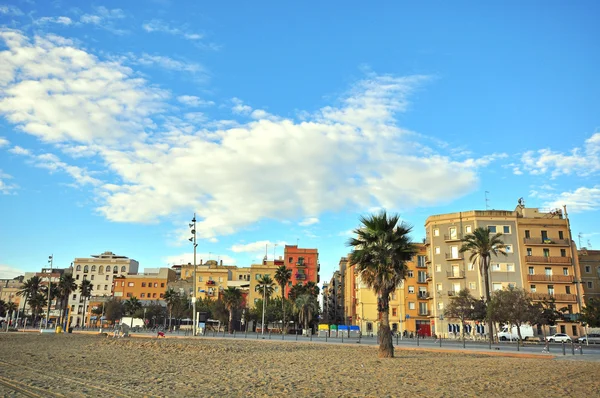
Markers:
(170, 316)
(386, 346)
(230, 320)
(84, 312)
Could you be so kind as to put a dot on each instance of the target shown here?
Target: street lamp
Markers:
(50, 261)
(193, 240)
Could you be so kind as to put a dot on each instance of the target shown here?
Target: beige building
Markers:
(257, 271)
(589, 266)
(100, 270)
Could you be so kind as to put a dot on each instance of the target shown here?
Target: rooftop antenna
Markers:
(579, 239)
(487, 206)
(589, 244)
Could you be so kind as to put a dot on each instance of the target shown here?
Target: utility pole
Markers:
(50, 260)
(264, 302)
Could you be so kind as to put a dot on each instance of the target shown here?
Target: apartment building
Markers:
(349, 290)
(589, 266)
(9, 289)
(100, 270)
(47, 275)
(257, 271)
(304, 264)
(146, 287)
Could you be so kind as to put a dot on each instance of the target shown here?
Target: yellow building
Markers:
(257, 271)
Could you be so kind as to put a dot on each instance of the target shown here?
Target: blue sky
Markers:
(280, 123)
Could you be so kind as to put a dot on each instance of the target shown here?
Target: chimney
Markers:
(200, 261)
(221, 263)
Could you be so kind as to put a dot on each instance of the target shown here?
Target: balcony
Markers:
(301, 264)
(452, 237)
(210, 282)
(452, 293)
(548, 260)
(423, 295)
(428, 278)
(427, 241)
(423, 312)
(422, 280)
(572, 298)
(455, 274)
(301, 277)
(546, 241)
(550, 278)
(454, 256)
(427, 260)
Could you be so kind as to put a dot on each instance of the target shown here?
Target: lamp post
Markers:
(50, 261)
(193, 240)
(263, 314)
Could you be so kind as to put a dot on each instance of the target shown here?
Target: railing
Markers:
(427, 241)
(454, 256)
(427, 259)
(557, 297)
(546, 241)
(455, 274)
(428, 277)
(423, 295)
(550, 278)
(301, 276)
(423, 280)
(452, 293)
(546, 260)
(451, 237)
(423, 313)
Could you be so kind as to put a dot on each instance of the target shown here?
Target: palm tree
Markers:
(307, 306)
(37, 302)
(283, 276)
(266, 285)
(312, 288)
(381, 249)
(66, 285)
(171, 297)
(10, 308)
(30, 288)
(132, 306)
(85, 289)
(232, 298)
(482, 244)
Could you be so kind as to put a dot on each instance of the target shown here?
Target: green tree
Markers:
(283, 276)
(461, 307)
(590, 314)
(2, 308)
(382, 247)
(312, 288)
(544, 313)
(113, 310)
(85, 289)
(482, 245)
(37, 302)
(219, 311)
(171, 297)
(307, 306)
(31, 287)
(232, 298)
(265, 286)
(511, 306)
(296, 291)
(66, 285)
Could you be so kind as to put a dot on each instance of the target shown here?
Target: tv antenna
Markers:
(579, 239)
(487, 201)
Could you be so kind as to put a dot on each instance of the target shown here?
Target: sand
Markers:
(84, 365)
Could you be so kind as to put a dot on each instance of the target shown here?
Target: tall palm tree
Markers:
(85, 289)
(37, 302)
(66, 285)
(171, 297)
(30, 288)
(381, 249)
(283, 276)
(306, 306)
(266, 285)
(10, 308)
(312, 288)
(482, 244)
(232, 298)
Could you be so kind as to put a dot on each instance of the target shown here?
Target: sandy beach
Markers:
(76, 365)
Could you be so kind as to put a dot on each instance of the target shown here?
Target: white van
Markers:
(508, 333)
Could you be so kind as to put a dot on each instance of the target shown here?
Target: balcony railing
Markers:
(558, 297)
(455, 274)
(550, 278)
(301, 264)
(454, 256)
(452, 293)
(427, 260)
(301, 276)
(423, 312)
(427, 241)
(209, 282)
(548, 260)
(452, 237)
(422, 280)
(546, 241)
(428, 277)
(423, 295)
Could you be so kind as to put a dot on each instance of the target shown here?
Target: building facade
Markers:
(304, 264)
(146, 287)
(589, 268)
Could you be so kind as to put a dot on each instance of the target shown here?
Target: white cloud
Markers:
(191, 100)
(188, 258)
(577, 201)
(5, 187)
(239, 108)
(4, 142)
(255, 247)
(17, 150)
(10, 10)
(104, 18)
(57, 20)
(309, 221)
(156, 25)
(167, 63)
(581, 162)
(351, 155)
(8, 272)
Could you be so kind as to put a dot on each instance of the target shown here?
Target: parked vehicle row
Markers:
(592, 338)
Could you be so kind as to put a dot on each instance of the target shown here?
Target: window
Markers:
(291, 260)
(438, 268)
(440, 305)
(568, 289)
(122, 284)
(438, 287)
(98, 287)
(532, 288)
(143, 284)
(495, 267)
(509, 248)
(155, 285)
(411, 306)
(531, 272)
(574, 330)
(86, 269)
(421, 261)
(527, 234)
(551, 290)
(437, 250)
(546, 252)
(492, 228)
(472, 286)
(162, 295)
(506, 229)
(422, 277)
(74, 297)
(496, 286)
(106, 278)
(258, 276)
(129, 294)
(93, 277)
(393, 296)
(105, 287)
(394, 312)
(561, 235)
(199, 279)
(93, 268)
(436, 232)
(100, 269)
(77, 277)
(78, 268)
(162, 285)
(131, 284)
(510, 268)
(548, 271)
(143, 295)
(220, 279)
(153, 295)
(410, 274)
(529, 252)
(471, 267)
(563, 252)
(115, 269)
(565, 271)
(123, 269)
(468, 229)
(411, 289)
(590, 285)
(588, 269)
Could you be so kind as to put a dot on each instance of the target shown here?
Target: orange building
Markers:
(149, 286)
(304, 264)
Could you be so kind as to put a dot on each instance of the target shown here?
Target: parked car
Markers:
(593, 338)
(559, 338)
